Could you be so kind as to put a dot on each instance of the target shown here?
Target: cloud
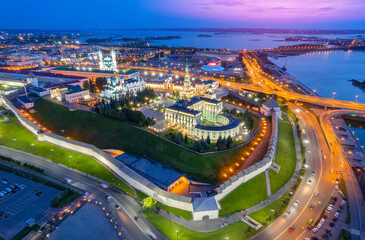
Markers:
(229, 3)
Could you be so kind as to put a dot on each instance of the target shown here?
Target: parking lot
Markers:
(88, 223)
(23, 199)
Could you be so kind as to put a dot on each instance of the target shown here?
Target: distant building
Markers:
(118, 86)
(25, 102)
(70, 93)
(270, 106)
(223, 56)
(108, 63)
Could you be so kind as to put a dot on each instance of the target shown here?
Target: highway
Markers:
(129, 206)
(356, 200)
(322, 181)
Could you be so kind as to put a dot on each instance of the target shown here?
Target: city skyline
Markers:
(292, 14)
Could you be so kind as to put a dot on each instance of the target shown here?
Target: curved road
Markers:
(129, 206)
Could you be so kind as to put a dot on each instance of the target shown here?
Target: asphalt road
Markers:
(322, 181)
(356, 200)
(129, 206)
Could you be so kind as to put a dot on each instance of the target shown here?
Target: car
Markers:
(68, 180)
(224, 224)
(152, 236)
(311, 207)
(86, 194)
(104, 185)
(136, 218)
(313, 173)
(310, 221)
(322, 221)
(338, 171)
(341, 193)
(325, 216)
(117, 206)
(315, 230)
(335, 199)
(314, 238)
(309, 227)
(335, 219)
(316, 193)
(336, 187)
(108, 197)
(296, 203)
(332, 224)
(337, 214)
(309, 181)
(306, 239)
(2, 194)
(4, 182)
(329, 208)
(324, 235)
(287, 213)
(291, 228)
(343, 202)
(341, 206)
(8, 190)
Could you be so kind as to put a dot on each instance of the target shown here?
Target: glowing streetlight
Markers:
(333, 95)
(356, 98)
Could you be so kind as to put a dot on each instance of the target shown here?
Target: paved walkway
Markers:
(215, 224)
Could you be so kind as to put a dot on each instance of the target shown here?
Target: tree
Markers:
(86, 85)
(219, 140)
(178, 138)
(229, 141)
(186, 138)
(208, 140)
(148, 202)
(100, 83)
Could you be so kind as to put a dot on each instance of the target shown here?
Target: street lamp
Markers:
(177, 234)
(356, 98)
(333, 95)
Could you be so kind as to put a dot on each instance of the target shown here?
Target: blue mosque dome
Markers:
(121, 78)
(108, 80)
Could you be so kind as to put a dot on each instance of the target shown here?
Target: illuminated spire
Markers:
(187, 77)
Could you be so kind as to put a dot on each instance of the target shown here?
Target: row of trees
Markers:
(202, 145)
(125, 115)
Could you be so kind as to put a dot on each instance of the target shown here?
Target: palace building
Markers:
(117, 86)
(202, 117)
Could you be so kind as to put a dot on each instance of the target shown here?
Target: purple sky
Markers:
(268, 13)
(81, 14)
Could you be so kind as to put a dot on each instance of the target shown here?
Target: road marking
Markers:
(311, 197)
(355, 232)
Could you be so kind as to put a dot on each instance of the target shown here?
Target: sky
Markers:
(105, 14)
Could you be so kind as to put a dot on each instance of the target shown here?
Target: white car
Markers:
(86, 194)
(343, 202)
(296, 203)
(108, 197)
(68, 180)
(104, 185)
(224, 224)
(153, 236)
(315, 230)
(337, 214)
(336, 187)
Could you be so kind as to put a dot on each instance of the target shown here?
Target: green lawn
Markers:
(344, 235)
(25, 232)
(182, 213)
(245, 196)
(107, 133)
(67, 197)
(342, 186)
(286, 157)
(268, 214)
(13, 135)
(236, 231)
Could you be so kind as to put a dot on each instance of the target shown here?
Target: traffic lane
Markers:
(300, 221)
(303, 194)
(81, 181)
(355, 197)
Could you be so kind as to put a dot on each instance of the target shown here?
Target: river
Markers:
(328, 72)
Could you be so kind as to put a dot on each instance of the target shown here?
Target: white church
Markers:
(108, 63)
(116, 87)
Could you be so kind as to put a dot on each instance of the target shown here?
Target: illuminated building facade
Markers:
(108, 63)
(117, 86)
